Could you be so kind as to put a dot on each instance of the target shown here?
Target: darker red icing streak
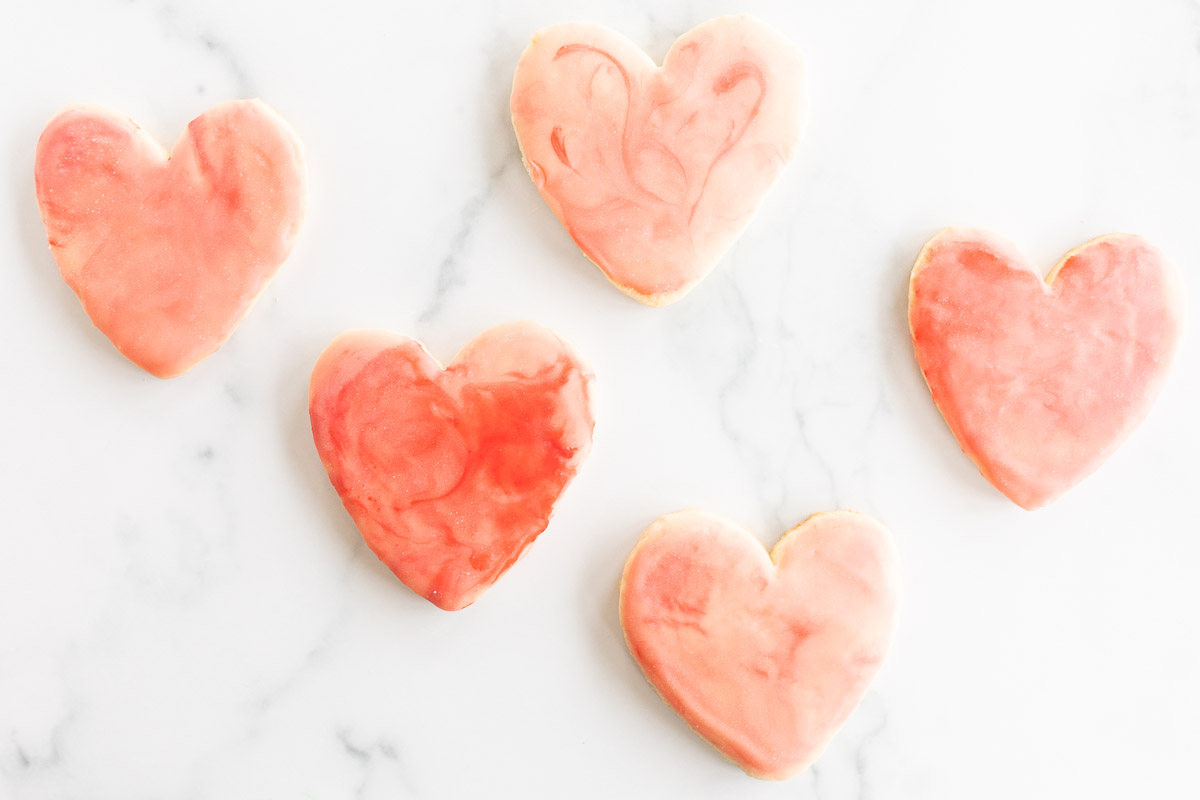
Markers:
(560, 149)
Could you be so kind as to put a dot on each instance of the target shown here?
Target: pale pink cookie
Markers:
(1041, 380)
(764, 656)
(168, 252)
(450, 474)
(656, 171)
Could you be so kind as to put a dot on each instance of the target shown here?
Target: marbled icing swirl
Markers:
(451, 474)
(764, 656)
(1041, 380)
(168, 252)
(655, 171)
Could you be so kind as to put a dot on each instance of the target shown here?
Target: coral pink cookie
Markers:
(1041, 380)
(451, 474)
(168, 252)
(655, 171)
(764, 656)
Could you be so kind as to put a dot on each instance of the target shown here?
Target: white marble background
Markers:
(187, 612)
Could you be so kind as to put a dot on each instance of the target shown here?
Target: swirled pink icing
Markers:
(168, 252)
(450, 475)
(764, 656)
(1041, 380)
(655, 171)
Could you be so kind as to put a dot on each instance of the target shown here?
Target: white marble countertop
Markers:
(187, 612)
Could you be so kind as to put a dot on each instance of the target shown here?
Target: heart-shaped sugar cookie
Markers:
(451, 474)
(655, 171)
(168, 252)
(763, 656)
(1041, 380)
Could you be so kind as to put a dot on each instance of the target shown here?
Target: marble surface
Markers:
(187, 612)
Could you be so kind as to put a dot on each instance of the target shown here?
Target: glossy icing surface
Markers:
(1041, 380)
(167, 252)
(763, 655)
(655, 171)
(451, 474)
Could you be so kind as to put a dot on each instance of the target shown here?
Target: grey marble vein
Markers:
(862, 760)
(378, 763)
(451, 270)
(175, 26)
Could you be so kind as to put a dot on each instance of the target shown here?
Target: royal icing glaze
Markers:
(764, 656)
(168, 252)
(450, 474)
(653, 171)
(1041, 380)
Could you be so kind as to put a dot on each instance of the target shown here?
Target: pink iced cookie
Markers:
(1040, 381)
(451, 474)
(168, 252)
(655, 171)
(764, 656)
